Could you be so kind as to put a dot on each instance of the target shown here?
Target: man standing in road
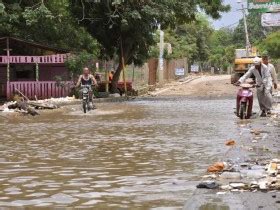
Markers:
(271, 69)
(263, 82)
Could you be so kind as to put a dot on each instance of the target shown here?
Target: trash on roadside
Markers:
(244, 164)
(276, 160)
(237, 185)
(211, 176)
(272, 169)
(230, 175)
(221, 193)
(230, 142)
(208, 185)
(257, 132)
(217, 167)
(253, 174)
(225, 187)
(254, 185)
(263, 184)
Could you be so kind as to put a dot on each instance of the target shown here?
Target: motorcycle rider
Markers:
(263, 82)
(87, 79)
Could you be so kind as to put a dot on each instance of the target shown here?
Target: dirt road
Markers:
(204, 86)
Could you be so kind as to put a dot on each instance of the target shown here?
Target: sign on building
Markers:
(271, 19)
(180, 71)
(195, 68)
(264, 5)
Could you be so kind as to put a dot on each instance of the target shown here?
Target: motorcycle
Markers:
(86, 89)
(244, 101)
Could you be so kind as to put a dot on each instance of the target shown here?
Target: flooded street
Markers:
(141, 154)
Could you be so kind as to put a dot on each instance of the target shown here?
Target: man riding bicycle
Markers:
(87, 79)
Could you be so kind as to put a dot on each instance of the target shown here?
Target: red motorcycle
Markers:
(244, 101)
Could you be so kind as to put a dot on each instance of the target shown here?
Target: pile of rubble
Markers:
(256, 175)
(243, 177)
(26, 106)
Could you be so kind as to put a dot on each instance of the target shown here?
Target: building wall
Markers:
(3, 73)
(48, 72)
(3, 80)
(168, 69)
(152, 64)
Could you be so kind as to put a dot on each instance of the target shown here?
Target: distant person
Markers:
(87, 79)
(272, 71)
(111, 75)
(263, 82)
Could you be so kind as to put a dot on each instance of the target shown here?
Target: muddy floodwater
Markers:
(142, 154)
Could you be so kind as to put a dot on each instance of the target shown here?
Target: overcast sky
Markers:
(231, 17)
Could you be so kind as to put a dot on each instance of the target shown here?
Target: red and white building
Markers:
(31, 68)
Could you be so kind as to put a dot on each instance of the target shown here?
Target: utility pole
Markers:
(248, 45)
(161, 53)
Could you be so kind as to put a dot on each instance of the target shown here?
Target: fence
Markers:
(59, 58)
(42, 90)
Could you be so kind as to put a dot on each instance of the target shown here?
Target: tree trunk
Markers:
(126, 53)
(115, 80)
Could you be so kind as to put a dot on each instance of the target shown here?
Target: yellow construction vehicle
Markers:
(242, 63)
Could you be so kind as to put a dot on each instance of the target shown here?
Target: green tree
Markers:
(128, 26)
(49, 22)
(222, 48)
(76, 62)
(256, 31)
(190, 40)
(272, 45)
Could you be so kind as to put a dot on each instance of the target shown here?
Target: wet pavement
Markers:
(142, 154)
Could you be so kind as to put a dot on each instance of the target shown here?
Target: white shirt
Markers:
(263, 80)
(272, 70)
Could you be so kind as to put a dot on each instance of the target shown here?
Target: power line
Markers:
(230, 26)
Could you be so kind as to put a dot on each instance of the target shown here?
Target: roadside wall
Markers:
(148, 74)
(3, 80)
(169, 70)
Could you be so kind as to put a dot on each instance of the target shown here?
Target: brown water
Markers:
(140, 155)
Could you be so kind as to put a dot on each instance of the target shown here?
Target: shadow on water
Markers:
(147, 153)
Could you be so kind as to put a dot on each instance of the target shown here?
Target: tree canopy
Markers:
(48, 22)
(129, 26)
(222, 48)
(190, 40)
(272, 45)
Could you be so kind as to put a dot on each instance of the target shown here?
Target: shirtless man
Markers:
(87, 79)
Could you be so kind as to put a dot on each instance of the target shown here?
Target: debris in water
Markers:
(230, 175)
(230, 142)
(211, 176)
(237, 185)
(257, 132)
(208, 185)
(272, 169)
(226, 187)
(263, 184)
(217, 167)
